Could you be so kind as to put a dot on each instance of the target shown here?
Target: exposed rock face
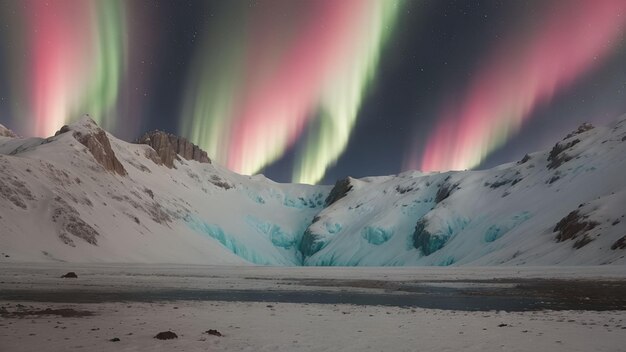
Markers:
(426, 241)
(95, 139)
(310, 244)
(445, 191)
(619, 244)
(524, 160)
(341, 189)
(15, 191)
(5, 132)
(582, 128)
(557, 156)
(71, 224)
(575, 226)
(169, 146)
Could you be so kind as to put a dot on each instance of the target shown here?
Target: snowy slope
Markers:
(71, 197)
(506, 215)
(194, 213)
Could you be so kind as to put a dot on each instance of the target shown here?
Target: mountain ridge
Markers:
(96, 198)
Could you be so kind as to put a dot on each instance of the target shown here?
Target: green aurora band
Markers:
(342, 99)
(110, 48)
(227, 69)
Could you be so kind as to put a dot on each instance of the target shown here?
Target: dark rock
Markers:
(149, 192)
(217, 181)
(582, 128)
(72, 224)
(445, 191)
(310, 243)
(169, 146)
(97, 142)
(425, 241)
(64, 129)
(524, 160)
(100, 147)
(70, 275)
(553, 179)
(574, 226)
(583, 241)
(15, 191)
(557, 157)
(214, 332)
(502, 325)
(166, 335)
(404, 189)
(623, 138)
(341, 189)
(619, 244)
(115, 339)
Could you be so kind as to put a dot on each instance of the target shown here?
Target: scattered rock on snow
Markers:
(214, 332)
(166, 335)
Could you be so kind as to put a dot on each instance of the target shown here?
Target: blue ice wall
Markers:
(275, 233)
(228, 241)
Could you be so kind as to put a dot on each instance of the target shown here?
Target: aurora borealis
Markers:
(311, 91)
(319, 70)
(74, 61)
(571, 38)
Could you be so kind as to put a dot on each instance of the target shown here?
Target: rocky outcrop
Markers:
(5, 132)
(310, 243)
(168, 147)
(71, 225)
(581, 129)
(341, 189)
(87, 132)
(619, 244)
(445, 190)
(425, 241)
(557, 156)
(575, 226)
(15, 191)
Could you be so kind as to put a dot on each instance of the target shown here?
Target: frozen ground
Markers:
(255, 326)
(87, 312)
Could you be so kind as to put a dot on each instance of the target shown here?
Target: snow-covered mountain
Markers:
(85, 196)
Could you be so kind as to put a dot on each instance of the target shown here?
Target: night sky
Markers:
(314, 91)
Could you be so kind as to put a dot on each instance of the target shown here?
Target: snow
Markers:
(270, 326)
(204, 214)
(312, 327)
